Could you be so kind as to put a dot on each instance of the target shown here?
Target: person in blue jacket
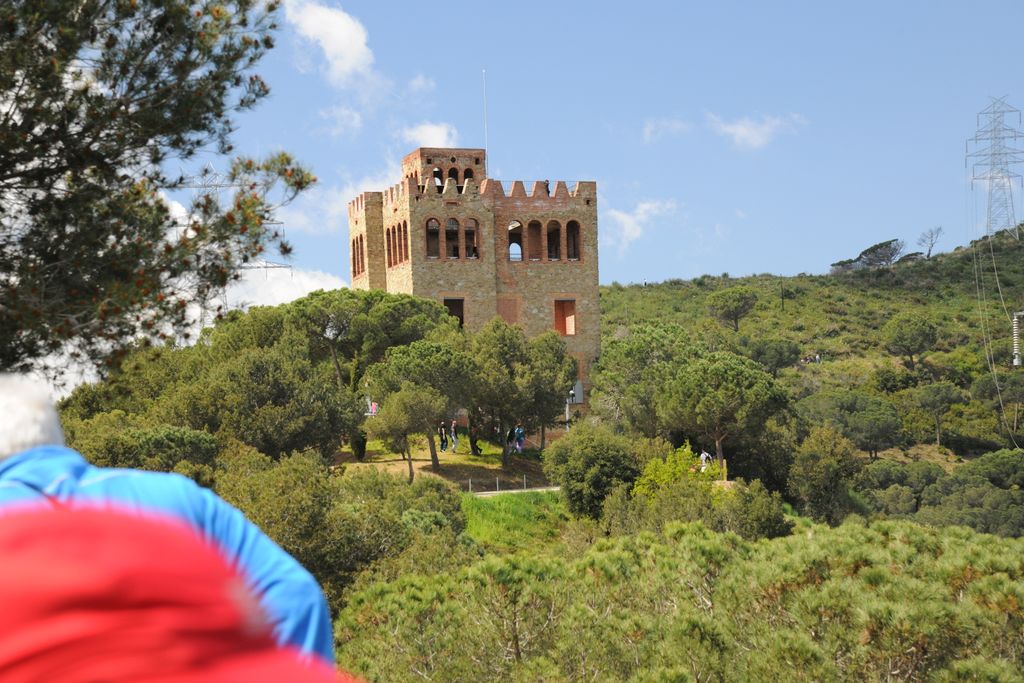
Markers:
(36, 468)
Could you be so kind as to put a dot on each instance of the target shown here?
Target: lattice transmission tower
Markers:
(210, 181)
(992, 161)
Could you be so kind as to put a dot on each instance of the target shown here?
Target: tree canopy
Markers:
(519, 380)
(588, 463)
(720, 395)
(100, 98)
(909, 335)
(732, 304)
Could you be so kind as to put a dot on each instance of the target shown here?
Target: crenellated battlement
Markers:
(540, 190)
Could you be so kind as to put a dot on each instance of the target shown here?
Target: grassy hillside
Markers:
(839, 316)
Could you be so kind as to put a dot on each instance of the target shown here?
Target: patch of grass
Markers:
(477, 472)
(515, 522)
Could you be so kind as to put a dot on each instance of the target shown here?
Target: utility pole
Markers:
(991, 162)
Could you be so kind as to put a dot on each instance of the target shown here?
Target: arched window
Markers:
(405, 241)
(453, 173)
(515, 241)
(390, 248)
(451, 238)
(572, 241)
(433, 238)
(471, 229)
(467, 174)
(438, 179)
(533, 249)
(554, 240)
(352, 249)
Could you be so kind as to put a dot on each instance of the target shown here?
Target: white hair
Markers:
(28, 417)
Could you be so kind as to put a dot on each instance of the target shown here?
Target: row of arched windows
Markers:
(358, 254)
(396, 240)
(539, 242)
(456, 241)
(453, 173)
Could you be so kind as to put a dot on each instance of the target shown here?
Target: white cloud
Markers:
(342, 119)
(629, 226)
(428, 134)
(658, 128)
(751, 134)
(278, 286)
(318, 211)
(323, 210)
(421, 83)
(373, 182)
(339, 35)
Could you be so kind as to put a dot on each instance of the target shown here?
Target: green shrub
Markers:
(588, 463)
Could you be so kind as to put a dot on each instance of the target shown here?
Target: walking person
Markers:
(442, 436)
(520, 438)
(705, 459)
(455, 435)
(474, 447)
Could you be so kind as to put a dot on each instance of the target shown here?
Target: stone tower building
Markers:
(448, 232)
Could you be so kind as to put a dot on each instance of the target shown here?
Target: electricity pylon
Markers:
(992, 161)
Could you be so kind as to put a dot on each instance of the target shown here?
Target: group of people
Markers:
(123, 575)
(448, 435)
(516, 437)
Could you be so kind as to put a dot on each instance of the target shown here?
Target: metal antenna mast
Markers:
(210, 181)
(991, 162)
(485, 117)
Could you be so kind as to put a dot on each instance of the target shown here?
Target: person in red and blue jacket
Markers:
(37, 469)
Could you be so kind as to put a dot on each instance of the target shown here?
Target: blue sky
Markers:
(739, 137)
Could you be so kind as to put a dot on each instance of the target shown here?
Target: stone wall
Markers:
(523, 291)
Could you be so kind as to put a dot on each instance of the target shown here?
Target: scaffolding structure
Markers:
(992, 161)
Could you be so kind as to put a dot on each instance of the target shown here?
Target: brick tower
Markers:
(448, 232)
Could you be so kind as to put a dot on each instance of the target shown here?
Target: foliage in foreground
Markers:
(99, 98)
(893, 601)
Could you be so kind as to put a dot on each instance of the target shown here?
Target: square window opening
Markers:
(456, 309)
(565, 317)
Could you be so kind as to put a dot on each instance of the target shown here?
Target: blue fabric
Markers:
(289, 593)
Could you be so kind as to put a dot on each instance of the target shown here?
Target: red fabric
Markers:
(93, 595)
